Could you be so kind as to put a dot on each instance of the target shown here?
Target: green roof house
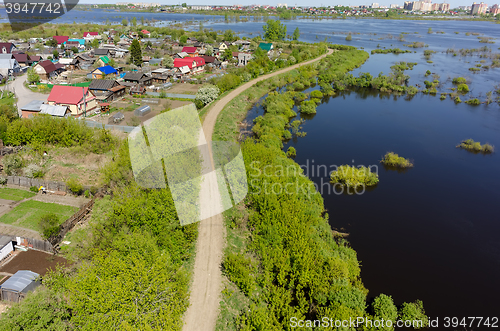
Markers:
(266, 46)
(104, 59)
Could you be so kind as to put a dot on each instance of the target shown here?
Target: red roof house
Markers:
(145, 31)
(45, 69)
(61, 39)
(6, 48)
(72, 96)
(196, 64)
(191, 51)
(90, 34)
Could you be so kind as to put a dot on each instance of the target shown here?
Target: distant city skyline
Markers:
(315, 3)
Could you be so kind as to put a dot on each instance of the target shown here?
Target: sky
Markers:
(317, 3)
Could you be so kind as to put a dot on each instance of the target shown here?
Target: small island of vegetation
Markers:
(392, 159)
(390, 50)
(475, 146)
(351, 176)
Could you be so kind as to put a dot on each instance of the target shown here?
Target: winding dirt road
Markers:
(203, 310)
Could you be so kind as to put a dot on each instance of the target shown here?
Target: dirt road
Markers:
(23, 94)
(205, 290)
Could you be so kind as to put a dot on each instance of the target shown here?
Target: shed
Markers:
(17, 286)
(53, 110)
(5, 247)
(141, 111)
(116, 118)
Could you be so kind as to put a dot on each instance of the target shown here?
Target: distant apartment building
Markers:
(282, 5)
(478, 8)
(375, 5)
(394, 6)
(444, 6)
(494, 10)
(201, 7)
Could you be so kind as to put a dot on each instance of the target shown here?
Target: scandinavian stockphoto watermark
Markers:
(354, 323)
(22, 14)
(260, 179)
(171, 149)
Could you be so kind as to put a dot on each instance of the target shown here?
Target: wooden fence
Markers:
(49, 185)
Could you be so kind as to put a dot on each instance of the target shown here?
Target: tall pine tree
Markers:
(136, 53)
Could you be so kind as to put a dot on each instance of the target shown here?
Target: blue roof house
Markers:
(103, 71)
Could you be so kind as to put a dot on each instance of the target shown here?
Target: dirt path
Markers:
(204, 298)
(23, 94)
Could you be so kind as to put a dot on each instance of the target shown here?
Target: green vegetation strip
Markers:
(394, 160)
(28, 214)
(15, 194)
(281, 257)
(475, 146)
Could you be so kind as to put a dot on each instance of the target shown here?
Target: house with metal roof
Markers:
(61, 39)
(103, 60)
(191, 51)
(17, 286)
(102, 52)
(6, 48)
(106, 89)
(22, 58)
(9, 67)
(31, 108)
(6, 247)
(101, 72)
(56, 111)
(266, 47)
(138, 77)
(195, 64)
(45, 69)
(78, 99)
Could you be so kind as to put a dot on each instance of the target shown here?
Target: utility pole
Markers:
(84, 102)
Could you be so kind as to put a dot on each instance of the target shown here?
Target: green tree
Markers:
(168, 61)
(228, 55)
(51, 42)
(229, 35)
(296, 34)
(274, 30)
(142, 20)
(124, 22)
(55, 54)
(33, 77)
(414, 311)
(94, 43)
(41, 310)
(136, 53)
(116, 39)
(183, 39)
(383, 307)
(184, 5)
(134, 21)
(74, 49)
(209, 51)
(49, 225)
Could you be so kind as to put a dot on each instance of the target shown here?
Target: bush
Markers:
(308, 107)
(34, 171)
(462, 88)
(459, 80)
(12, 164)
(351, 176)
(74, 186)
(237, 268)
(207, 94)
(291, 152)
(49, 225)
(316, 94)
(349, 37)
(34, 189)
(427, 73)
(198, 103)
(475, 146)
(3, 180)
(394, 160)
(443, 96)
(86, 194)
(474, 102)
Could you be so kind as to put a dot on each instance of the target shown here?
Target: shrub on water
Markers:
(427, 73)
(291, 152)
(316, 94)
(462, 88)
(351, 176)
(443, 96)
(459, 80)
(457, 99)
(474, 102)
(475, 146)
(394, 160)
(308, 107)
(287, 135)
(349, 37)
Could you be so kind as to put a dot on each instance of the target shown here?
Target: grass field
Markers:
(28, 213)
(15, 194)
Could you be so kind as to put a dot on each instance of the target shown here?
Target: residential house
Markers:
(195, 64)
(22, 59)
(65, 62)
(78, 99)
(198, 44)
(162, 75)
(223, 46)
(89, 36)
(243, 58)
(45, 69)
(146, 33)
(102, 52)
(101, 72)
(36, 107)
(266, 47)
(191, 40)
(211, 61)
(31, 108)
(180, 55)
(70, 44)
(6, 48)
(35, 59)
(138, 89)
(82, 61)
(103, 60)
(9, 67)
(106, 89)
(61, 39)
(138, 77)
(191, 51)
(146, 59)
(6, 247)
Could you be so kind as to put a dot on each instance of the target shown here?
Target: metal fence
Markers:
(123, 128)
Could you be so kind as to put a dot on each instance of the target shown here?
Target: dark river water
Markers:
(429, 233)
